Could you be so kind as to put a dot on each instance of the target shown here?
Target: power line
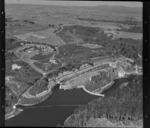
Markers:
(52, 106)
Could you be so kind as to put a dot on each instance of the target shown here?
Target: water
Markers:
(54, 110)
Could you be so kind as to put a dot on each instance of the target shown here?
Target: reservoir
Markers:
(52, 111)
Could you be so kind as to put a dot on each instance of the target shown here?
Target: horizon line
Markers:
(75, 3)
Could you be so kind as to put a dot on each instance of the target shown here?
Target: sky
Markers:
(75, 3)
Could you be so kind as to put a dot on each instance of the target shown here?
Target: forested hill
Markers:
(121, 106)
